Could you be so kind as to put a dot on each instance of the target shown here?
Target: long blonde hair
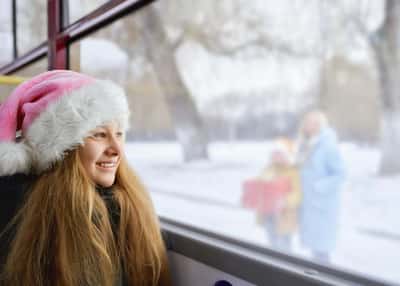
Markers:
(64, 236)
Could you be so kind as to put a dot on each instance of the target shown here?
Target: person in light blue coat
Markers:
(322, 174)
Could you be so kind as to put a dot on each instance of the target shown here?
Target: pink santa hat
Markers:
(54, 112)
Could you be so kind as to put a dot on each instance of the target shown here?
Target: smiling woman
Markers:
(86, 220)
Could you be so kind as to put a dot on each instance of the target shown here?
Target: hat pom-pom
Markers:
(14, 158)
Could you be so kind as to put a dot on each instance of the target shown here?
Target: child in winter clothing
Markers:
(281, 223)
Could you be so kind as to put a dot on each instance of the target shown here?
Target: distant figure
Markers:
(275, 195)
(322, 174)
(281, 224)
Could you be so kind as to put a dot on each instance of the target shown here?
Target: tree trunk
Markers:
(386, 44)
(390, 162)
(188, 125)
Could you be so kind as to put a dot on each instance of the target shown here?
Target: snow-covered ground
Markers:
(207, 194)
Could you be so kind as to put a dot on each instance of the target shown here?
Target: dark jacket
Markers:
(13, 190)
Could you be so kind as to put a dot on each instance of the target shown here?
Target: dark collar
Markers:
(104, 191)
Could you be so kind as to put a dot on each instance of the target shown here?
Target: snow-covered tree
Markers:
(386, 44)
(188, 124)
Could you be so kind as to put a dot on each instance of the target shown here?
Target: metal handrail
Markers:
(11, 80)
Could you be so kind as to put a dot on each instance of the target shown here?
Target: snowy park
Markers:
(226, 78)
(207, 194)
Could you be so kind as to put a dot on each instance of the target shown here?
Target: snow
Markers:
(207, 194)
(78, 9)
(287, 22)
(5, 33)
(6, 47)
(102, 55)
(5, 15)
(212, 75)
(372, 13)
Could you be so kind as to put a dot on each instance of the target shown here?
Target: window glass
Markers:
(6, 40)
(79, 9)
(31, 24)
(8, 85)
(223, 133)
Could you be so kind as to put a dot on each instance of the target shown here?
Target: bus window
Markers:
(263, 129)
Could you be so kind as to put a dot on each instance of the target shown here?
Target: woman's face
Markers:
(101, 153)
(311, 125)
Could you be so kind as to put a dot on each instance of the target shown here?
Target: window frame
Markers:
(61, 34)
(264, 266)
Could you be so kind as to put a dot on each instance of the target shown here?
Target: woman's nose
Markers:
(114, 147)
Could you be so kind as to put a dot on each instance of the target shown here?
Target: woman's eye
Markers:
(120, 134)
(100, 135)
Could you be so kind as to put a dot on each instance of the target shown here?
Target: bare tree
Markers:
(386, 44)
(188, 125)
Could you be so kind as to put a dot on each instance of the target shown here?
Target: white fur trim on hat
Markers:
(64, 124)
(14, 158)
